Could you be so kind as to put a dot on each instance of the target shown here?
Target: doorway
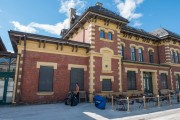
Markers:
(147, 79)
(77, 76)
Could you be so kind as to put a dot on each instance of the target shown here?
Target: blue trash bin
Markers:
(99, 101)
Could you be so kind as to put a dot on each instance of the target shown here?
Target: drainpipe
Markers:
(16, 78)
(24, 55)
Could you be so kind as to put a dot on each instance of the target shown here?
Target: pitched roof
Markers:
(163, 33)
(2, 46)
(14, 37)
(103, 11)
(139, 32)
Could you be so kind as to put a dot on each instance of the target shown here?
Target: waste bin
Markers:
(99, 101)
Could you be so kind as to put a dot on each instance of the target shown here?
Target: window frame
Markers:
(131, 79)
(172, 56)
(164, 82)
(133, 54)
(140, 53)
(102, 34)
(104, 83)
(110, 36)
(40, 89)
(177, 78)
(177, 57)
(151, 56)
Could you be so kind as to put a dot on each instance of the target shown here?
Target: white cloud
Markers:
(33, 27)
(23, 28)
(137, 24)
(127, 8)
(53, 29)
(67, 4)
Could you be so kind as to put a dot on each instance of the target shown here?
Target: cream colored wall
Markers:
(52, 48)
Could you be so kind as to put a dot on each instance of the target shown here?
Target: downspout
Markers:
(16, 78)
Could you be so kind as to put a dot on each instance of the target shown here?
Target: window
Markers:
(164, 81)
(122, 50)
(102, 34)
(177, 57)
(140, 52)
(133, 54)
(106, 85)
(131, 76)
(151, 56)
(172, 56)
(46, 74)
(177, 82)
(109, 35)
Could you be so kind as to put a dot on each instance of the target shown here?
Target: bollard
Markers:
(158, 101)
(112, 101)
(169, 99)
(127, 104)
(144, 102)
(178, 97)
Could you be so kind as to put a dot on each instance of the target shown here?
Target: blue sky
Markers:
(48, 17)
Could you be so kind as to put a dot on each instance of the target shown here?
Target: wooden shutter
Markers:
(46, 78)
(77, 76)
(106, 85)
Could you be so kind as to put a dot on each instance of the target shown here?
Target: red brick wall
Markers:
(127, 51)
(61, 80)
(98, 72)
(162, 56)
(138, 77)
(100, 43)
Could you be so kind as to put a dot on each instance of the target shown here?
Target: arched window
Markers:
(140, 52)
(133, 54)
(177, 57)
(122, 51)
(102, 34)
(109, 35)
(172, 56)
(151, 59)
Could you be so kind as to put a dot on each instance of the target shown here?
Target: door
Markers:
(76, 76)
(6, 87)
(148, 87)
(1, 88)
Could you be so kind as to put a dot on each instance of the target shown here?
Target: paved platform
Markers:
(83, 111)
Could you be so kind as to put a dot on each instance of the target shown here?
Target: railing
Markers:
(130, 104)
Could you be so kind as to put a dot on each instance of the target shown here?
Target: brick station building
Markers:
(100, 52)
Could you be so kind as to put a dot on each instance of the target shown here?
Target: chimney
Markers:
(99, 4)
(72, 16)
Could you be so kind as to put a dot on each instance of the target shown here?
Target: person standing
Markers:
(77, 91)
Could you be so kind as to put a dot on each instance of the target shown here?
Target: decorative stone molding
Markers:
(54, 65)
(151, 49)
(106, 77)
(77, 66)
(131, 69)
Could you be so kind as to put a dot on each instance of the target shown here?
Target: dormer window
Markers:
(109, 36)
(102, 34)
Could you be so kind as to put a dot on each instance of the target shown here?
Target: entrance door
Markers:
(77, 76)
(1, 88)
(6, 87)
(148, 87)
